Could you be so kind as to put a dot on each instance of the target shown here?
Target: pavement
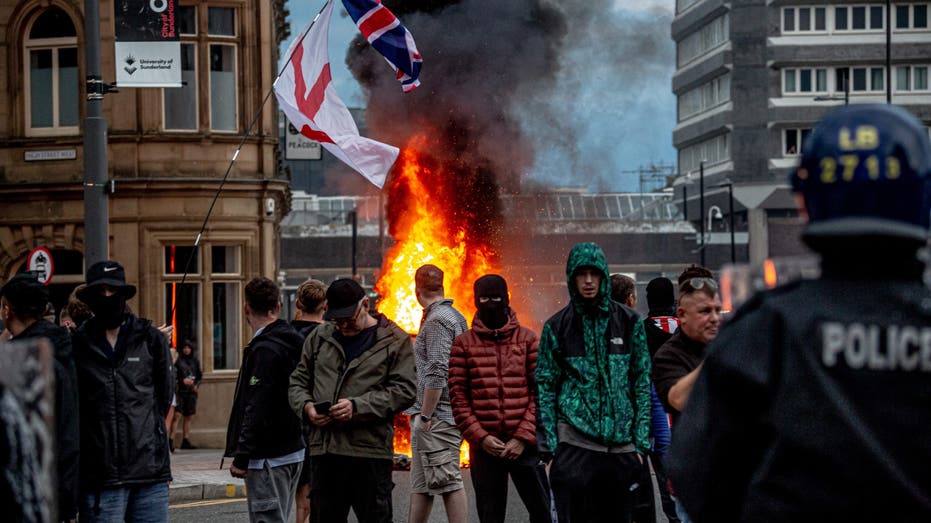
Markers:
(197, 475)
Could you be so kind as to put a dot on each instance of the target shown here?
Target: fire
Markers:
(402, 443)
(429, 226)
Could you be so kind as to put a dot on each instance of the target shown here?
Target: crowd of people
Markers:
(783, 414)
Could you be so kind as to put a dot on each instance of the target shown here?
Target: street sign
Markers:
(40, 260)
(147, 44)
(299, 147)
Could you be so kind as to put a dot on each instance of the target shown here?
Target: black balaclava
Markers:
(494, 314)
(109, 310)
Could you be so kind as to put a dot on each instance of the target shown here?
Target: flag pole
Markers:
(229, 168)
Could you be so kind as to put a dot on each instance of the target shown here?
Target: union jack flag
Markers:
(389, 37)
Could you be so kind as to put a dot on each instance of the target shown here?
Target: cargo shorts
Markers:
(435, 457)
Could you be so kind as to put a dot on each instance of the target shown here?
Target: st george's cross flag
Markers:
(308, 98)
(389, 37)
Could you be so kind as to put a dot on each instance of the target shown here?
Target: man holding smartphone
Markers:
(356, 372)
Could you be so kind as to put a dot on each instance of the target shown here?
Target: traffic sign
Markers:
(40, 260)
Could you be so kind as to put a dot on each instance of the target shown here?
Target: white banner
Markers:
(148, 48)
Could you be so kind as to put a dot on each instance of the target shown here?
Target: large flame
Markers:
(402, 441)
(428, 229)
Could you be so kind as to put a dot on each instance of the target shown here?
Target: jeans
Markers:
(137, 504)
(270, 492)
(680, 510)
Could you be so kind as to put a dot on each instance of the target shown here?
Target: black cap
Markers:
(106, 273)
(26, 294)
(342, 298)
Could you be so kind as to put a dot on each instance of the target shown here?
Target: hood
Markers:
(58, 336)
(588, 254)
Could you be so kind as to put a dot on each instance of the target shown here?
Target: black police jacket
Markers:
(262, 424)
(123, 401)
(814, 404)
(67, 435)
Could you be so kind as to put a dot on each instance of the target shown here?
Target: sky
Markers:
(612, 92)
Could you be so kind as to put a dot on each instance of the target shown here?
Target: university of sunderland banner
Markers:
(148, 48)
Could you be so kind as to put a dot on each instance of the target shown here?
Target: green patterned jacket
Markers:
(593, 366)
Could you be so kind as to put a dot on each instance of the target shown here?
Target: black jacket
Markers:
(262, 424)
(187, 366)
(813, 405)
(124, 402)
(67, 431)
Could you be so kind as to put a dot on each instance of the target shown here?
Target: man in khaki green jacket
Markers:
(356, 372)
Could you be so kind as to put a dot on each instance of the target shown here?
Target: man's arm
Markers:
(547, 377)
(460, 394)
(640, 365)
(438, 339)
(679, 393)
(163, 378)
(301, 384)
(526, 430)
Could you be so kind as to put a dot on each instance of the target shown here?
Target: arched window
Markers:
(50, 60)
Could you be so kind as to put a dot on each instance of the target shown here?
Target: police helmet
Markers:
(866, 170)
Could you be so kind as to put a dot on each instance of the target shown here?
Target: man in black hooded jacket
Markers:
(22, 303)
(125, 383)
(264, 436)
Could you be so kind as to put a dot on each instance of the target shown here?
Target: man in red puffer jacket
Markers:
(490, 384)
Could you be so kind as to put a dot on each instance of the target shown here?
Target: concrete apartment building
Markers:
(168, 150)
(753, 76)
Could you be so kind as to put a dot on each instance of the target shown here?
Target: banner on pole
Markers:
(148, 48)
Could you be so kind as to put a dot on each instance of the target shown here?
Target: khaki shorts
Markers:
(435, 462)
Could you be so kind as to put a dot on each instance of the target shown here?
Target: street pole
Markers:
(354, 217)
(888, 51)
(730, 212)
(701, 211)
(96, 200)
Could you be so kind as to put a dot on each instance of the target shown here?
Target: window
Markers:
(52, 88)
(862, 79)
(705, 97)
(221, 43)
(911, 16)
(215, 293)
(699, 43)
(804, 19)
(911, 78)
(859, 18)
(792, 140)
(805, 81)
(712, 151)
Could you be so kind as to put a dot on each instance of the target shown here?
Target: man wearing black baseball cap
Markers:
(123, 366)
(356, 373)
(23, 301)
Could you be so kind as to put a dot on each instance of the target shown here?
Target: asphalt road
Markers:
(234, 510)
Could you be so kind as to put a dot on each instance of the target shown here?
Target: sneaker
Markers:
(186, 445)
(171, 445)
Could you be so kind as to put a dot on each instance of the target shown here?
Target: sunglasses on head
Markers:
(697, 284)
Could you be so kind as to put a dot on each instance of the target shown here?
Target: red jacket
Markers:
(490, 382)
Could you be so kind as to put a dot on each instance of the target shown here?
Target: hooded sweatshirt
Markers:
(593, 366)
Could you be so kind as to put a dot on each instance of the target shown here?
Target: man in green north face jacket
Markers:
(593, 379)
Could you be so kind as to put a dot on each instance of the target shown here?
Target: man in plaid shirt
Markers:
(435, 439)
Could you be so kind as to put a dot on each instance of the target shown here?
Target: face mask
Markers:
(494, 314)
(109, 310)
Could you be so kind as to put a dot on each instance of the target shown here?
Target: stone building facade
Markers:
(168, 150)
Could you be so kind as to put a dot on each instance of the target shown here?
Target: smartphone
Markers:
(322, 407)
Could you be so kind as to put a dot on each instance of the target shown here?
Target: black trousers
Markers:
(338, 483)
(669, 506)
(490, 480)
(591, 486)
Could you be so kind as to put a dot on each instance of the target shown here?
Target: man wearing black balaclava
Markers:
(490, 383)
(124, 367)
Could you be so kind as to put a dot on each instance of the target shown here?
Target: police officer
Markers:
(813, 404)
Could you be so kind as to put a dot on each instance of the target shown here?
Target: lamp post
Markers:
(701, 211)
(96, 199)
(888, 51)
(730, 213)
